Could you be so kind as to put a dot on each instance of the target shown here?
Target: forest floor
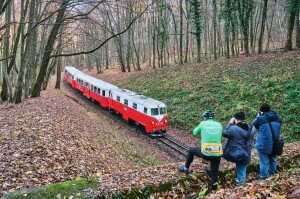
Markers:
(55, 139)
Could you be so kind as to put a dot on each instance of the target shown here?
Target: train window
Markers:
(103, 93)
(126, 102)
(134, 105)
(92, 87)
(118, 98)
(95, 89)
(145, 110)
(154, 111)
(98, 91)
(162, 111)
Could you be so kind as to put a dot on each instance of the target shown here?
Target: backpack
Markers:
(277, 142)
(239, 155)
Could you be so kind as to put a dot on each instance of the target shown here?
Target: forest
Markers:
(38, 38)
(84, 84)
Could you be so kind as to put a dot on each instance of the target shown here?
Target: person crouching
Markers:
(210, 133)
(237, 149)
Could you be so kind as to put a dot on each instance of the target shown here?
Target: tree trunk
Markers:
(181, 32)
(297, 30)
(6, 92)
(48, 73)
(291, 22)
(215, 28)
(49, 47)
(187, 32)
(270, 28)
(262, 29)
(227, 27)
(245, 8)
(196, 9)
(59, 63)
(128, 53)
(153, 40)
(24, 60)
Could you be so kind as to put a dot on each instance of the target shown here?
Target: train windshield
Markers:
(154, 111)
(159, 111)
(163, 111)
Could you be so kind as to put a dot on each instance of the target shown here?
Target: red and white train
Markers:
(150, 113)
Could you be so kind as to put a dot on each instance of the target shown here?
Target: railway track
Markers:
(168, 144)
(174, 144)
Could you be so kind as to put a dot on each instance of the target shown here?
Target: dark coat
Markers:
(264, 140)
(240, 138)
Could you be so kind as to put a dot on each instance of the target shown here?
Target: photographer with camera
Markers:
(237, 149)
(268, 124)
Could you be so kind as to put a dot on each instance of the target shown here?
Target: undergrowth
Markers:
(190, 89)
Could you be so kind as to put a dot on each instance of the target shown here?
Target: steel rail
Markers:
(172, 146)
(175, 142)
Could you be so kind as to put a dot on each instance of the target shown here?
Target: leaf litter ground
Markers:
(52, 139)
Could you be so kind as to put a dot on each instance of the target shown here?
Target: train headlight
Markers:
(152, 122)
(166, 121)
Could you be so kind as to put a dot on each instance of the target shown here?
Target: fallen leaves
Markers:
(52, 139)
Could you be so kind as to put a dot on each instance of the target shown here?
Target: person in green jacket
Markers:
(210, 133)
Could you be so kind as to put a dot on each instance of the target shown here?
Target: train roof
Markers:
(140, 99)
(96, 82)
(73, 70)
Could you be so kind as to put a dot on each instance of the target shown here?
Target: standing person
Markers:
(238, 146)
(267, 121)
(210, 133)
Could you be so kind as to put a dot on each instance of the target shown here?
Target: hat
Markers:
(208, 114)
(265, 108)
(240, 116)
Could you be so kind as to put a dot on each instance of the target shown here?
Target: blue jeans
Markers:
(241, 170)
(267, 165)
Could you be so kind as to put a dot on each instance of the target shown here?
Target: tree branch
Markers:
(105, 41)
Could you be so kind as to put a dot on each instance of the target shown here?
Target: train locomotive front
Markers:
(150, 113)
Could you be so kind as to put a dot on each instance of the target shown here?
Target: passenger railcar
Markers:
(95, 89)
(150, 113)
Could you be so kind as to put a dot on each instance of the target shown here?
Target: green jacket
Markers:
(211, 137)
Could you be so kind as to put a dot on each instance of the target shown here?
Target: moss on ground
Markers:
(188, 90)
(78, 188)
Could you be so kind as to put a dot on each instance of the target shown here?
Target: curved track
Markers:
(168, 144)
